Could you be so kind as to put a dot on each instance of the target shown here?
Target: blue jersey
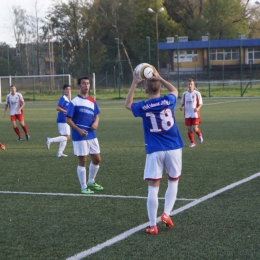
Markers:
(82, 112)
(63, 103)
(160, 129)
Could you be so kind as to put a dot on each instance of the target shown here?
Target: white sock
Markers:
(62, 146)
(81, 171)
(152, 204)
(93, 169)
(58, 139)
(170, 196)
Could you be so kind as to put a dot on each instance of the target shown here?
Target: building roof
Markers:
(212, 44)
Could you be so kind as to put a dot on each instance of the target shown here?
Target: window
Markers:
(253, 54)
(186, 56)
(224, 54)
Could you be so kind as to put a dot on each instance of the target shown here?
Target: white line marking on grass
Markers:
(79, 195)
(175, 212)
(216, 103)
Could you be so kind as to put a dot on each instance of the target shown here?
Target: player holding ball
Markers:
(163, 143)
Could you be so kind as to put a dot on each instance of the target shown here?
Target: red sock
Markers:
(198, 132)
(25, 129)
(16, 129)
(191, 136)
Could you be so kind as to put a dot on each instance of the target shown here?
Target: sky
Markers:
(6, 34)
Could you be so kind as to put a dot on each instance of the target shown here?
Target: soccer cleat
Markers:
(95, 186)
(152, 230)
(27, 137)
(61, 155)
(87, 191)
(19, 138)
(2, 146)
(167, 220)
(192, 145)
(48, 143)
(200, 139)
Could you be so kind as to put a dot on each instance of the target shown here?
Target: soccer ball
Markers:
(145, 71)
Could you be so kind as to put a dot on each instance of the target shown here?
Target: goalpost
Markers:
(34, 83)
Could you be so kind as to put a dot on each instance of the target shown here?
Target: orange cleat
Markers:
(167, 220)
(152, 230)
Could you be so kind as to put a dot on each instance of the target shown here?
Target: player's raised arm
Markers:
(130, 96)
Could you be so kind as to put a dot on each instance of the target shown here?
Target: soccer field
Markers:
(43, 215)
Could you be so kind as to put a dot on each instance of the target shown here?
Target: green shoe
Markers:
(87, 191)
(95, 186)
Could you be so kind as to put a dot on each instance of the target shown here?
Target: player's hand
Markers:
(181, 108)
(83, 132)
(94, 126)
(156, 75)
(136, 79)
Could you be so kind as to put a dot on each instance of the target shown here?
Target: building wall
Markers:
(201, 61)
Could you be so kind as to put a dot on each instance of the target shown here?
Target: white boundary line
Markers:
(79, 195)
(175, 212)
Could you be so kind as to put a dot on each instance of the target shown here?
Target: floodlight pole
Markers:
(62, 60)
(118, 73)
(240, 59)
(156, 25)
(178, 61)
(149, 49)
(8, 60)
(88, 59)
(209, 62)
(33, 71)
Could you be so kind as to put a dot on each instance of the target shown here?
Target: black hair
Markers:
(81, 78)
(65, 86)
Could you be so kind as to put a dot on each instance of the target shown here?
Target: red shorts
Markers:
(192, 121)
(17, 117)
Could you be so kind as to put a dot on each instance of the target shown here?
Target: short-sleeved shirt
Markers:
(82, 112)
(14, 102)
(160, 128)
(191, 100)
(63, 103)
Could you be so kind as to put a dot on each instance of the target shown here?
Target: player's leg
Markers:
(94, 165)
(173, 166)
(153, 174)
(64, 130)
(188, 123)
(81, 151)
(16, 129)
(82, 176)
(23, 125)
(197, 130)
(152, 205)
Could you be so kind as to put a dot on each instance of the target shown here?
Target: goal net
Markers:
(34, 86)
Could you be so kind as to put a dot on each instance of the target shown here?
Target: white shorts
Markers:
(170, 160)
(64, 129)
(85, 147)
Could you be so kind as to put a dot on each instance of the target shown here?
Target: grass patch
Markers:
(58, 226)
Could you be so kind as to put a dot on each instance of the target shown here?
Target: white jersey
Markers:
(14, 102)
(191, 100)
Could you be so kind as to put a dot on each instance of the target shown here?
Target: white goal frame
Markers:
(31, 76)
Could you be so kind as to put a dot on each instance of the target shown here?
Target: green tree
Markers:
(224, 19)
(145, 25)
